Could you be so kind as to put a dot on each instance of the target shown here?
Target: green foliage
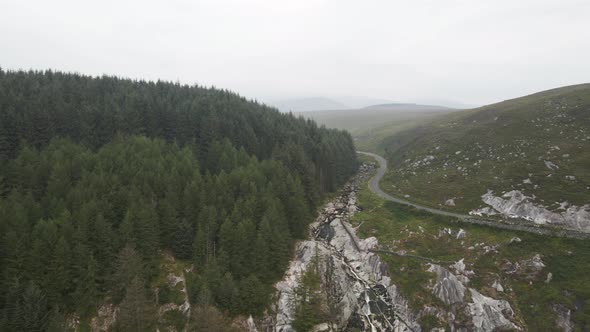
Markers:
(205, 318)
(166, 294)
(202, 173)
(137, 313)
(308, 300)
(429, 322)
(173, 318)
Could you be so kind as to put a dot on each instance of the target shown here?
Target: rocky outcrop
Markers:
(514, 204)
(355, 282)
(489, 314)
(497, 286)
(360, 292)
(551, 165)
(486, 313)
(447, 287)
(304, 253)
(564, 318)
(105, 318)
(177, 281)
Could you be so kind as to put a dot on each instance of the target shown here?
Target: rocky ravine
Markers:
(359, 290)
(355, 281)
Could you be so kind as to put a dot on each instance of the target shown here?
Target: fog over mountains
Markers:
(320, 103)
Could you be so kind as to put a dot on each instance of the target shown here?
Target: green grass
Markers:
(512, 139)
(371, 138)
(403, 228)
(370, 126)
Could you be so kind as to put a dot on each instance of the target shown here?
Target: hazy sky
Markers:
(470, 51)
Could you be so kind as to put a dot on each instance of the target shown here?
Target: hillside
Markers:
(447, 270)
(133, 205)
(371, 124)
(532, 151)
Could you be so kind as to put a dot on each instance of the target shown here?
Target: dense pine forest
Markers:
(100, 177)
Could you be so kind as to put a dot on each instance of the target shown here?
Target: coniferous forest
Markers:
(100, 177)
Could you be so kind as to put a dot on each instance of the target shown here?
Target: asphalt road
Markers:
(374, 186)
(527, 227)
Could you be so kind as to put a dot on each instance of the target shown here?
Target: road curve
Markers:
(374, 186)
(507, 224)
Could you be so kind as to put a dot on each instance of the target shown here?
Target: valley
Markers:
(371, 124)
(439, 269)
(526, 260)
(294, 166)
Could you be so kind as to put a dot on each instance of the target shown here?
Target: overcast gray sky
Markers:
(471, 51)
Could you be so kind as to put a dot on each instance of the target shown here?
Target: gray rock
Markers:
(515, 239)
(250, 326)
(461, 234)
(105, 319)
(564, 318)
(459, 266)
(486, 211)
(552, 166)
(488, 314)
(447, 287)
(497, 286)
(304, 253)
(549, 277)
(515, 204)
(355, 282)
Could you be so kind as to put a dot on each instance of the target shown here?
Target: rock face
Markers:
(488, 314)
(514, 204)
(447, 287)
(564, 318)
(105, 319)
(497, 286)
(355, 281)
(305, 252)
(550, 165)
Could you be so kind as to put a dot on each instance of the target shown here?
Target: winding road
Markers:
(520, 225)
(374, 186)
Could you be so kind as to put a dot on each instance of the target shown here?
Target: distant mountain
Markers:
(406, 107)
(443, 102)
(331, 103)
(354, 102)
(308, 104)
(526, 157)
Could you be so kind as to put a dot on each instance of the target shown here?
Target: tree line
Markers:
(98, 176)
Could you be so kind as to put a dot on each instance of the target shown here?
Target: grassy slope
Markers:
(370, 125)
(500, 146)
(402, 228)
